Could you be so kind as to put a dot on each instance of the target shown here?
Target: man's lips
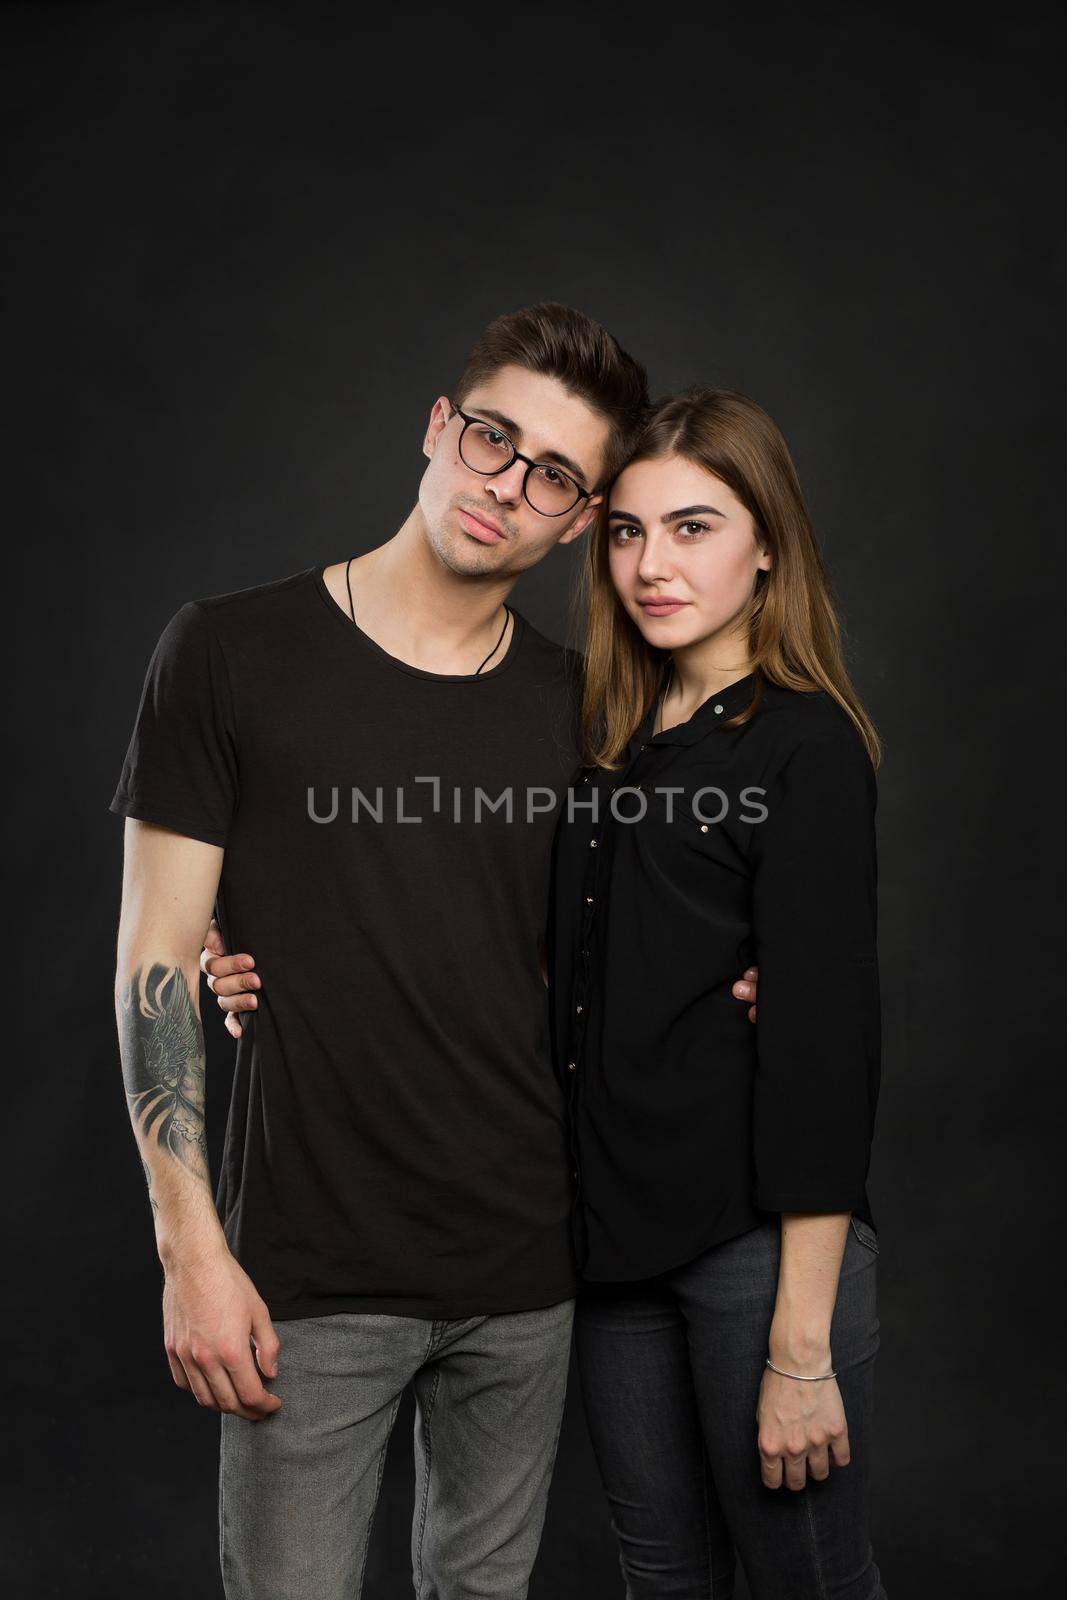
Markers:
(486, 532)
(661, 606)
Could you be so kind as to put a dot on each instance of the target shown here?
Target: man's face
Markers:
(484, 526)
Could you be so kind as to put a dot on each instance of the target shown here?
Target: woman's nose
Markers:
(654, 565)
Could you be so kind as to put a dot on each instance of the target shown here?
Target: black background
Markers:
(251, 245)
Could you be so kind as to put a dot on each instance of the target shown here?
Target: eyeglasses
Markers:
(486, 449)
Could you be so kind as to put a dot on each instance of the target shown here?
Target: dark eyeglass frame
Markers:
(517, 455)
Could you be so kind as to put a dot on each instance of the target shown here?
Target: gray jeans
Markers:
(297, 1491)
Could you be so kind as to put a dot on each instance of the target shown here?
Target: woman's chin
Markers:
(667, 631)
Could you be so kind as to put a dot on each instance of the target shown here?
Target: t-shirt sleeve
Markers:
(181, 767)
(818, 1007)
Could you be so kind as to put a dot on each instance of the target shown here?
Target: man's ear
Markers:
(582, 521)
(440, 417)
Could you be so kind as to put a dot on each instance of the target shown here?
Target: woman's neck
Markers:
(699, 671)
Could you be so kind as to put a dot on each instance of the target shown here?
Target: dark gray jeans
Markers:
(297, 1491)
(671, 1371)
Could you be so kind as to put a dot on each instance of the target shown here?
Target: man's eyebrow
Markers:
(508, 424)
(511, 427)
(669, 516)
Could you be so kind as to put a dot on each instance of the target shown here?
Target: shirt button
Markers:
(578, 1008)
(589, 899)
(718, 710)
(592, 844)
(703, 827)
(572, 1066)
(585, 952)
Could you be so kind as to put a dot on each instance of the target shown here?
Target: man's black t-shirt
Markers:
(396, 1138)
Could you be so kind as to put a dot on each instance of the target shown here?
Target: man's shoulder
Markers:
(261, 601)
(561, 657)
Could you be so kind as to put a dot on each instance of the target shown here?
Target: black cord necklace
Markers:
(352, 614)
(503, 631)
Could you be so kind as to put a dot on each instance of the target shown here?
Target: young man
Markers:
(360, 766)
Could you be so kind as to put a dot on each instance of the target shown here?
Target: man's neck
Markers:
(417, 609)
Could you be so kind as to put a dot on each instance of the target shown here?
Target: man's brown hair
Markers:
(559, 342)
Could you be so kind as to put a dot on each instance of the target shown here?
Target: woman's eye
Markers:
(620, 529)
(701, 527)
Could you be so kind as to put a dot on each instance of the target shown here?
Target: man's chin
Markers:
(466, 555)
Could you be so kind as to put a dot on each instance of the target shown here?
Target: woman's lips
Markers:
(479, 530)
(661, 608)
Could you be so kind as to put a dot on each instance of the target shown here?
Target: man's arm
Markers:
(211, 1309)
(233, 982)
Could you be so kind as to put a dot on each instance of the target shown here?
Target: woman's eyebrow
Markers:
(669, 516)
(691, 511)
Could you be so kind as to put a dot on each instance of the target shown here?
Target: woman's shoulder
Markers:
(794, 719)
(813, 710)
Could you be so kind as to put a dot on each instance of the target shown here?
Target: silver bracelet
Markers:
(804, 1378)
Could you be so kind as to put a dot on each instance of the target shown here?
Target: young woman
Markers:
(726, 1331)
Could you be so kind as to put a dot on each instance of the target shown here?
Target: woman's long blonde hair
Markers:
(791, 621)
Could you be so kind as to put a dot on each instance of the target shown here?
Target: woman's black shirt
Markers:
(688, 1123)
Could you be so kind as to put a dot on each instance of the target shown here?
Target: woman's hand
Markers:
(802, 1428)
(745, 989)
(230, 978)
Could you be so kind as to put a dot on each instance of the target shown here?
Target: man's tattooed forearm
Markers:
(153, 1202)
(162, 1047)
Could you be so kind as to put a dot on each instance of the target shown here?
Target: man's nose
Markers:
(506, 486)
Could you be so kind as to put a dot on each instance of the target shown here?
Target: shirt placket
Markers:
(593, 878)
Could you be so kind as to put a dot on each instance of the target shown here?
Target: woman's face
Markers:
(682, 551)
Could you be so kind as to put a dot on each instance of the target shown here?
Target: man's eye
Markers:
(552, 476)
(495, 439)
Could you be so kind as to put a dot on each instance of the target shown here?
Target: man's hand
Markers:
(210, 1313)
(230, 978)
(802, 1429)
(744, 988)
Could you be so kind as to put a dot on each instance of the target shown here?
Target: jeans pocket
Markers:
(865, 1234)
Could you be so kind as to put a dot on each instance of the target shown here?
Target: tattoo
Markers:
(163, 1065)
(153, 1202)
